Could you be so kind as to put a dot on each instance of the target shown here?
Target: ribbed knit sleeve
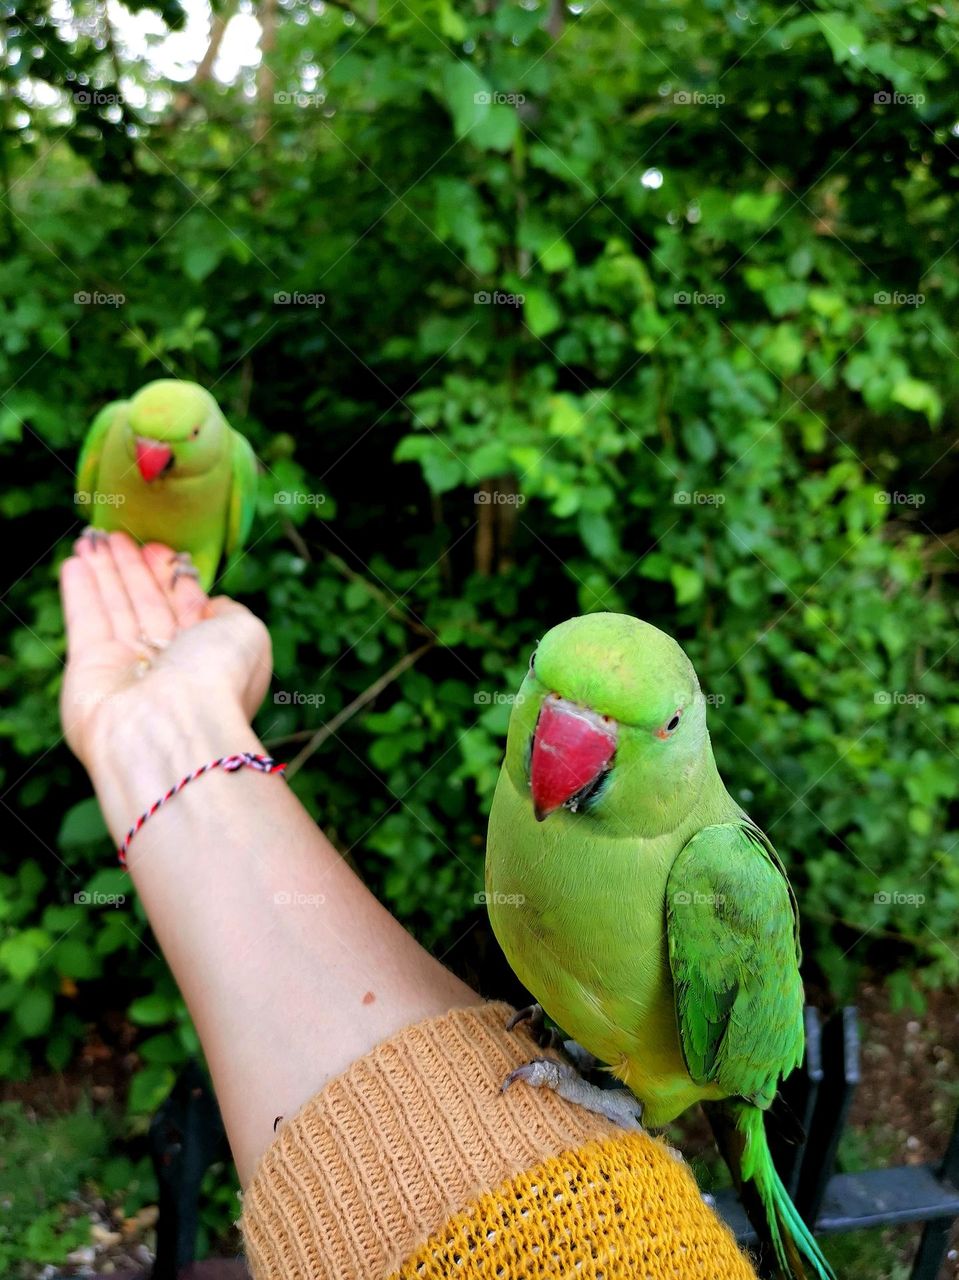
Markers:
(415, 1163)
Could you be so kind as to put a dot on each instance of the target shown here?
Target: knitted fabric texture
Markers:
(612, 1210)
(415, 1151)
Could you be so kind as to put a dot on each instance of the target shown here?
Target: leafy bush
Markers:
(621, 311)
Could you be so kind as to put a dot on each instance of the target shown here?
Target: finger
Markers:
(185, 597)
(86, 619)
(113, 595)
(150, 603)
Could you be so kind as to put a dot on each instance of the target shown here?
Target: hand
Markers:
(137, 642)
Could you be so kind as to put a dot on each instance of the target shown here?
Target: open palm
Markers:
(135, 635)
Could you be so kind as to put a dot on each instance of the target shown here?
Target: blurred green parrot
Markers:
(649, 916)
(167, 467)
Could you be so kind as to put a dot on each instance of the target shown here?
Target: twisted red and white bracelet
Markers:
(265, 764)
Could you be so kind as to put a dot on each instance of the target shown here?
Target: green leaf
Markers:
(919, 396)
(687, 583)
(540, 312)
(845, 39)
(82, 826)
(164, 1049)
(21, 953)
(73, 959)
(755, 206)
(151, 1010)
(34, 1011)
(443, 471)
(498, 129)
(597, 534)
(467, 95)
(148, 1089)
(557, 256)
(200, 259)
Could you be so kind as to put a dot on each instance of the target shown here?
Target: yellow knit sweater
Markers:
(413, 1165)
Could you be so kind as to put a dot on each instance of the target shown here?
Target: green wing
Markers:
(734, 954)
(88, 466)
(242, 494)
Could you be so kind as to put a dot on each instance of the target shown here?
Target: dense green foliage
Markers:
(723, 401)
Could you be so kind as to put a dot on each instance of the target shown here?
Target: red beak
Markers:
(572, 746)
(153, 458)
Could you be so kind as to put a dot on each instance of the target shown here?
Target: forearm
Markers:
(291, 969)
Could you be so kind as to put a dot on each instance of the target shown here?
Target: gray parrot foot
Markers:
(185, 568)
(544, 1036)
(617, 1105)
(95, 537)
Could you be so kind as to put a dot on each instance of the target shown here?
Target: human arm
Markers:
(285, 994)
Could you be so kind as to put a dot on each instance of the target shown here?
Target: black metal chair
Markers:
(819, 1095)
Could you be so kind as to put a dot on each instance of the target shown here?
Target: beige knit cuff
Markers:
(390, 1150)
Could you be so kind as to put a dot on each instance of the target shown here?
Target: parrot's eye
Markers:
(670, 726)
(194, 433)
(532, 662)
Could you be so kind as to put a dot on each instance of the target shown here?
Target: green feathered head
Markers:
(176, 429)
(610, 726)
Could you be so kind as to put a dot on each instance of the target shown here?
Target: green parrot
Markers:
(649, 916)
(167, 467)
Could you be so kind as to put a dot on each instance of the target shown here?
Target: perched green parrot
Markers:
(167, 467)
(649, 916)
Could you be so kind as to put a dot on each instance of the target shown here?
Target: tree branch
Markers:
(350, 710)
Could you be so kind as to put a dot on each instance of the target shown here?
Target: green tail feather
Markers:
(741, 1135)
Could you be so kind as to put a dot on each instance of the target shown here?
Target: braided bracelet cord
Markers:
(230, 764)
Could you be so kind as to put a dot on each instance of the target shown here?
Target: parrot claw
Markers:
(94, 538)
(544, 1036)
(148, 641)
(618, 1105)
(184, 568)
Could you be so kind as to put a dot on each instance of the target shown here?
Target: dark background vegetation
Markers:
(725, 403)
